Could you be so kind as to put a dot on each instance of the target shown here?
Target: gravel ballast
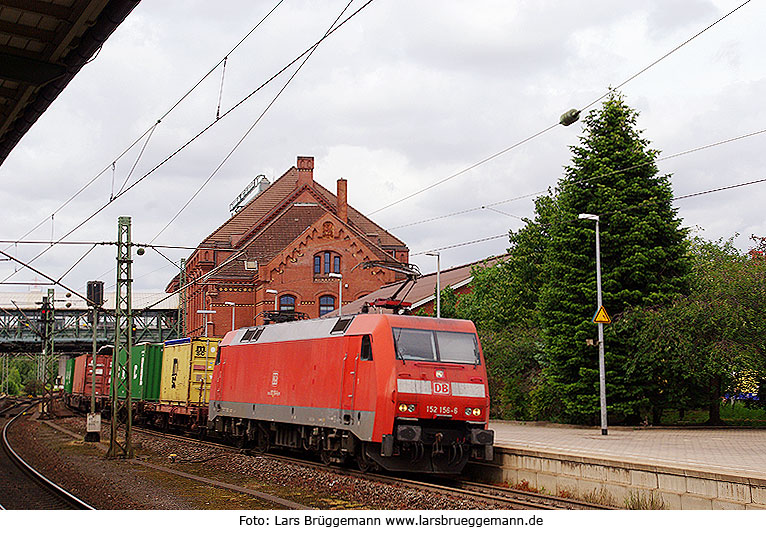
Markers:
(121, 484)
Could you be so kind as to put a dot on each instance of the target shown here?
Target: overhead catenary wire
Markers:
(489, 206)
(627, 209)
(113, 243)
(618, 86)
(543, 131)
(151, 129)
(250, 129)
(76, 263)
(198, 135)
(658, 60)
(42, 274)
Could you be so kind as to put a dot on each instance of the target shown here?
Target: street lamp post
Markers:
(232, 305)
(339, 277)
(205, 312)
(275, 293)
(438, 256)
(599, 304)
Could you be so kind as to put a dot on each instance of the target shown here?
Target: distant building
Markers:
(278, 252)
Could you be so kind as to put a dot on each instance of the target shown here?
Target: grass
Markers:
(737, 414)
(644, 501)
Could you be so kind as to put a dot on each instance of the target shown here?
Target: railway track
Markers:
(495, 495)
(21, 486)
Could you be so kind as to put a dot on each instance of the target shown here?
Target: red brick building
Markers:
(279, 249)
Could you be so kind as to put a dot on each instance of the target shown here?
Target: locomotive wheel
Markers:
(262, 444)
(363, 461)
(324, 455)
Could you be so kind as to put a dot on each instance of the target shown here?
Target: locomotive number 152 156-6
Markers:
(442, 410)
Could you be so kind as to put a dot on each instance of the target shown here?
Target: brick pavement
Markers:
(728, 451)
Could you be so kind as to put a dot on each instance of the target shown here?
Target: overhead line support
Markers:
(120, 445)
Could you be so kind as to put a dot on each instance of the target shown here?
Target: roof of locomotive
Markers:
(321, 328)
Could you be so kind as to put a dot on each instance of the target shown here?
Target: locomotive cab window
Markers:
(366, 352)
(441, 346)
(415, 344)
(457, 347)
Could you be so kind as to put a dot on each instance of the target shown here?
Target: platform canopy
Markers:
(43, 45)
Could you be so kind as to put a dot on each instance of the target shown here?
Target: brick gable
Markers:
(279, 233)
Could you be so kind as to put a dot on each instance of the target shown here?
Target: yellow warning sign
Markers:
(602, 317)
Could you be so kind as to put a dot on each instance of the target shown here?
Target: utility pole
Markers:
(95, 295)
(43, 372)
(4, 384)
(438, 256)
(600, 318)
(182, 300)
(120, 445)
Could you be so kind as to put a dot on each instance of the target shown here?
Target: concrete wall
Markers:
(678, 489)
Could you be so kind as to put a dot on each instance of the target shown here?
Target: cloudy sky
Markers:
(404, 95)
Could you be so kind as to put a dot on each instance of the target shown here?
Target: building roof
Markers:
(32, 300)
(422, 292)
(279, 197)
(43, 45)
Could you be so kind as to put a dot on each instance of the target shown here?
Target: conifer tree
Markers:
(612, 174)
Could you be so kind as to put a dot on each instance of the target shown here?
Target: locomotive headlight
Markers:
(403, 408)
(411, 408)
(468, 411)
(476, 412)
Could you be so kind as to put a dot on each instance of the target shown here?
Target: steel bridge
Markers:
(21, 322)
(21, 325)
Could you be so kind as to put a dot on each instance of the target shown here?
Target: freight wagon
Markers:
(69, 375)
(400, 392)
(82, 380)
(146, 367)
(181, 398)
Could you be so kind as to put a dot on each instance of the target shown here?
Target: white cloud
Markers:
(404, 95)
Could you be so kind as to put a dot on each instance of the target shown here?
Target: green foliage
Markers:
(510, 342)
(613, 174)
(448, 299)
(512, 369)
(15, 386)
(34, 387)
(702, 345)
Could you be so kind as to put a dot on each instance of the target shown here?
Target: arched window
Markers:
(326, 305)
(287, 303)
(326, 262)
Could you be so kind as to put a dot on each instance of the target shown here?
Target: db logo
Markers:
(441, 388)
(274, 378)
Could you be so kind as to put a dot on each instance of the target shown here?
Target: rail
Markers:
(46, 483)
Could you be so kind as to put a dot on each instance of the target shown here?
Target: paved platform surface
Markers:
(728, 452)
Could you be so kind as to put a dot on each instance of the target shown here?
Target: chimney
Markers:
(342, 200)
(305, 170)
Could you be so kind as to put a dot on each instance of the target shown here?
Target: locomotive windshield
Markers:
(438, 346)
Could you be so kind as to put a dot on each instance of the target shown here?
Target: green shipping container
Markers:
(69, 375)
(146, 365)
(146, 359)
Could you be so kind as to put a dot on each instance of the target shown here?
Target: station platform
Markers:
(680, 468)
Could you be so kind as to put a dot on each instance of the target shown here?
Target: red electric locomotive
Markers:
(404, 393)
